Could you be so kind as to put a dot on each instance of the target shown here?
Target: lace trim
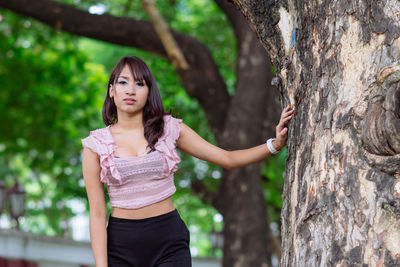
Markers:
(141, 188)
(141, 202)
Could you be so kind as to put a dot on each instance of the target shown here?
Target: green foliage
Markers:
(50, 97)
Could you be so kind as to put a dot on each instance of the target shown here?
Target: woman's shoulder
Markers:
(170, 119)
(101, 134)
(98, 139)
(171, 128)
(99, 131)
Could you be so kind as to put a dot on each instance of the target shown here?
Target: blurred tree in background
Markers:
(53, 87)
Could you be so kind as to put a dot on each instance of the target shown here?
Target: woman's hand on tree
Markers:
(281, 129)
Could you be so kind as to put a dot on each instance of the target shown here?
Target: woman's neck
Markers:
(130, 122)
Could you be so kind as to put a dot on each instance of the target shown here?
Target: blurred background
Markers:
(52, 89)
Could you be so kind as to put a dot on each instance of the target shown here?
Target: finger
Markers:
(284, 114)
(283, 121)
(285, 110)
(278, 132)
(287, 118)
(282, 135)
(289, 112)
(280, 126)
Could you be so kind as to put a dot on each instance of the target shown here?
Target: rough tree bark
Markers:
(244, 119)
(338, 63)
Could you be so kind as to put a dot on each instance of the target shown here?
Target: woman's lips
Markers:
(130, 101)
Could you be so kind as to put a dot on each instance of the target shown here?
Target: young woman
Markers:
(135, 155)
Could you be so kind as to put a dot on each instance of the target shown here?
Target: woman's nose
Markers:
(133, 89)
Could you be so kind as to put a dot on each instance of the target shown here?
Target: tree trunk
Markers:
(245, 119)
(338, 63)
(247, 239)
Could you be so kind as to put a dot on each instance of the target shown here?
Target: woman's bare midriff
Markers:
(159, 208)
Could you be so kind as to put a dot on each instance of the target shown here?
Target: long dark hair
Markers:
(153, 110)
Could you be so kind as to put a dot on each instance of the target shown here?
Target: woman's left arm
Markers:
(191, 143)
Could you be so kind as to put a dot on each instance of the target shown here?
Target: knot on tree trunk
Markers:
(381, 125)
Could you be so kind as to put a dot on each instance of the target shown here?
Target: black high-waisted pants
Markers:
(160, 241)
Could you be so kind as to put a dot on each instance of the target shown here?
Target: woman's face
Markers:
(129, 95)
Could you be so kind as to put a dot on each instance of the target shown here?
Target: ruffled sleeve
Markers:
(101, 142)
(166, 144)
(91, 143)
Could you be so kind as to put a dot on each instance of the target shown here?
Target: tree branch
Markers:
(162, 29)
(202, 81)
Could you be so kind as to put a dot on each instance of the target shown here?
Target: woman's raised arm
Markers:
(191, 143)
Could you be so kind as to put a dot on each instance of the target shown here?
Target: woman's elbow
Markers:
(229, 163)
(229, 168)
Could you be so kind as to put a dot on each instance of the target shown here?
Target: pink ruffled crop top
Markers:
(135, 182)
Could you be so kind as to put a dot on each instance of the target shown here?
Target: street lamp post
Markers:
(16, 200)
(3, 192)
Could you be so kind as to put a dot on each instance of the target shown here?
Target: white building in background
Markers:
(22, 249)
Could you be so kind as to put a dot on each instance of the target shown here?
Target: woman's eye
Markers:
(140, 83)
(122, 82)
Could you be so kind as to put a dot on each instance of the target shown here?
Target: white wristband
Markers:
(271, 148)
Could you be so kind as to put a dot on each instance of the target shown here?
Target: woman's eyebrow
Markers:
(124, 77)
